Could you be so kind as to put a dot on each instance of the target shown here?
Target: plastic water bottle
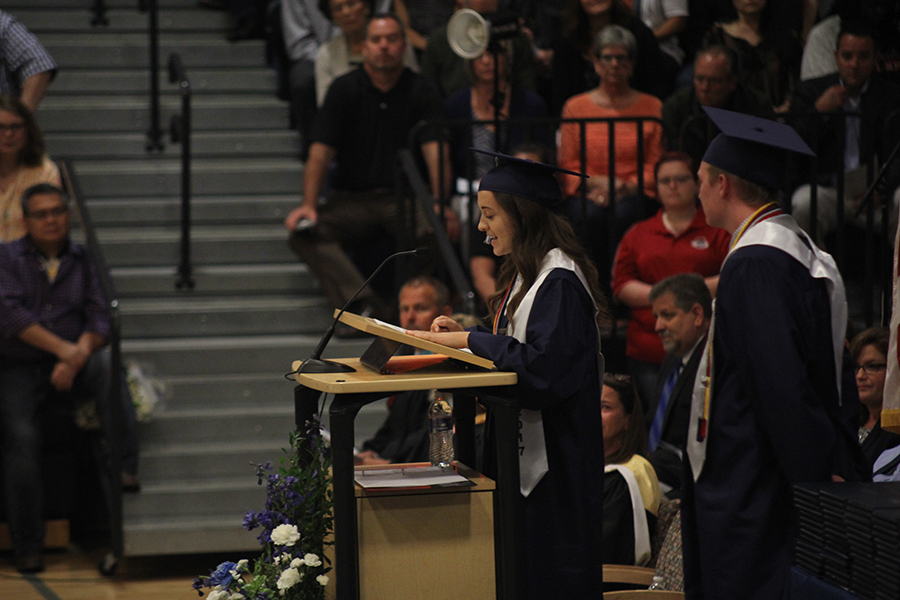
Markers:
(657, 583)
(440, 433)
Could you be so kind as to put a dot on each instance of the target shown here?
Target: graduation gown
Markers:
(558, 370)
(775, 420)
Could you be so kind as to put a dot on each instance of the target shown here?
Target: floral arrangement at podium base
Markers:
(296, 527)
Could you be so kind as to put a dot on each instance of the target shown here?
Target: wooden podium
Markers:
(364, 385)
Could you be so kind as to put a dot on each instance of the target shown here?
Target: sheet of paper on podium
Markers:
(390, 337)
(408, 477)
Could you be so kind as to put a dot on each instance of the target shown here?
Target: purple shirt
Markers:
(72, 304)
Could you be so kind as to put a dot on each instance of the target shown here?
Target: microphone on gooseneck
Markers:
(315, 363)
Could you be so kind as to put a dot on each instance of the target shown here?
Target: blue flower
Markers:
(222, 575)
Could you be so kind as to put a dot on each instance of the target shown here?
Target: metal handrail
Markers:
(98, 7)
(181, 133)
(154, 134)
(112, 482)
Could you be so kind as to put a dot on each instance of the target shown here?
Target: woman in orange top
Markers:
(614, 51)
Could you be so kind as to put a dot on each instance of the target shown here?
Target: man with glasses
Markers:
(53, 329)
(686, 127)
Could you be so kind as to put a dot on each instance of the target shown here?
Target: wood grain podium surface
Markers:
(441, 376)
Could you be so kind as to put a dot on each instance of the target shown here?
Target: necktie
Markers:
(659, 417)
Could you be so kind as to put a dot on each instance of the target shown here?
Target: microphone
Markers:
(315, 364)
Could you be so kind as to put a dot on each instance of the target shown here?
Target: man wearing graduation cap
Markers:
(767, 409)
(545, 317)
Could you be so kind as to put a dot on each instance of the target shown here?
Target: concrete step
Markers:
(106, 49)
(117, 178)
(217, 460)
(152, 246)
(230, 355)
(144, 536)
(217, 280)
(77, 81)
(79, 20)
(227, 497)
(256, 423)
(204, 144)
(14, 5)
(205, 210)
(188, 315)
(132, 113)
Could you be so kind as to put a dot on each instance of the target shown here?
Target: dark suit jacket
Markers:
(678, 413)
(824, 132)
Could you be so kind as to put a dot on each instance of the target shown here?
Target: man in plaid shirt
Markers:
(53, 331)
(26, 68)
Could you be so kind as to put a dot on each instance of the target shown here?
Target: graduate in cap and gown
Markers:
(771, 406)
(545, 328)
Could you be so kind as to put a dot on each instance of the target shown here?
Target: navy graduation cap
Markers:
(524, 178)
(752, 148)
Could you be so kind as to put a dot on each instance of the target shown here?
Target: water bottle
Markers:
(440, 433)
(657, 583)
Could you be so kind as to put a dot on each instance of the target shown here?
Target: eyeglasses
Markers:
(679, 179)
(870, 368)
(609, 58)
(618, 377)
(40, 215)
(13, 127)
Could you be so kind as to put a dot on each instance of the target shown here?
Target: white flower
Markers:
(237, 596)
(289, 578)
(241, 566)
(296, 563)
(285, 535)
(323, 580)
(312, 560)
(218, 594)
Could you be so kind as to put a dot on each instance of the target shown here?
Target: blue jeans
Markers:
(26, 392)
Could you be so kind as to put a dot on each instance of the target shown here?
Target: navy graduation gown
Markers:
(775, 421)
(558, 375)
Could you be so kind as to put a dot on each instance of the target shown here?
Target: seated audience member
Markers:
(404, 435)
(769, 51)
(422, 17)
(483, 263)
(869, 351)
(304, 29)
(53, 330)
(676, 240)
(574, 69)
(682, 306)
(716, 83)
(448, 70)
(361, 209)
(824, 114)
(614, 51)
(344, 52)
(631, 493)
(26, 68)
(887, 466)
(666, 18)
(476, 103)
(22, 164)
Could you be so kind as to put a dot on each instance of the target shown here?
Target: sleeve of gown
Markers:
(765, 287)
(618, 521)
(562, 344)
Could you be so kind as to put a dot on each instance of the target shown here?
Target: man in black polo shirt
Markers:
(364, 121)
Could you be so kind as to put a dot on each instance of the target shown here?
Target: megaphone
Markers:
(468, 33)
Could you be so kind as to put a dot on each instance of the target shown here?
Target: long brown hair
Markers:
(32, 153)
(536, 231)
(634, 439)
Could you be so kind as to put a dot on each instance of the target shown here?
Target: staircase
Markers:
(223, 348)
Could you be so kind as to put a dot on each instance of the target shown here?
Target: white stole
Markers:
(780, 232)
(532, 447)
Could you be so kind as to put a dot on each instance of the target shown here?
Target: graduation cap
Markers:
(752, 148)
(524, 178)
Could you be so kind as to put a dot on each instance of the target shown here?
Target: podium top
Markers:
(442, 376)
(375, 327)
